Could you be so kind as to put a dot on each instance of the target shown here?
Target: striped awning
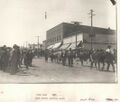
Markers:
(57, 45)
(65, 46)
(50, 47)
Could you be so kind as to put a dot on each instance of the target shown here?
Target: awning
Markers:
(57, 45)
(80, 44)
(65, 46)
(50, 47)
(72, 46)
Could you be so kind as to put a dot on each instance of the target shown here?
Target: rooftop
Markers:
(98, 30)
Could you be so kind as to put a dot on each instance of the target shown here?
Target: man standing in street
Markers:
(4, 58)
(14, 60)
(46, 55)
(63, 56)
(70, 58)
(109, 58)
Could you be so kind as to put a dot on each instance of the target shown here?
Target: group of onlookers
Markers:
(96, 57)
(12, 59)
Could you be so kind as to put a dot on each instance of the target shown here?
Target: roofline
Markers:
(88, 26)
(81, 25)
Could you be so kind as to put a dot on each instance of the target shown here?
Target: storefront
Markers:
(50, 47)
(57, 45)
(70, 42)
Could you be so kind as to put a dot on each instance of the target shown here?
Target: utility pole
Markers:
(91, 32)
(77, 24)
(38, 45)
(38, 41)
(26, 44)
(115, 3)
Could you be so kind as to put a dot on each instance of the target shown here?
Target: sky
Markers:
(22, 20)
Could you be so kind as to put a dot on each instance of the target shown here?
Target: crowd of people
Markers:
(11, 59)
(96, 58)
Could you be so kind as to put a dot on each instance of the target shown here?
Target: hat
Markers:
(15, 46)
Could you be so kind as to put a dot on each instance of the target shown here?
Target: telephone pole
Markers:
(77, 24)
(91, 32)
(38, 41)
(26, 43)
(38, 44)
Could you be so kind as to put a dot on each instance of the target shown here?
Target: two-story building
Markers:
(67, 35)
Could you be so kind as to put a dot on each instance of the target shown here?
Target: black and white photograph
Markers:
(58, 41)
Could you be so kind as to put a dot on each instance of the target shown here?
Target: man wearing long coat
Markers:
(4, 58)
(14, 60)
(109, 58)
(70, 57)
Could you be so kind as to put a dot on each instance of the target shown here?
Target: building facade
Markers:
(94, 37)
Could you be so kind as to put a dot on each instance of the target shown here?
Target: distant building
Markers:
(44, 46)
(35, 46)
(65, 34)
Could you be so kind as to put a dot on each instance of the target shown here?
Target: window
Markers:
(60, 37)
(57, 38)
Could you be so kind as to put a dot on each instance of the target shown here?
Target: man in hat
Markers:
(109, 58)
(14, 60)
(70, 57)
(46, 55)
(4, 58)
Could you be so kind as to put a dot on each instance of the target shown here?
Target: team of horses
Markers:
(97, 58)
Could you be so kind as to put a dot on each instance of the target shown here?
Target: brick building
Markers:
(67, 33)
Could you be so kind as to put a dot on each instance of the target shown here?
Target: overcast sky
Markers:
(23, 20)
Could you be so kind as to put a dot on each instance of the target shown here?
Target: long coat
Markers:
(14, 61)
(4, 60)
(109, 58)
